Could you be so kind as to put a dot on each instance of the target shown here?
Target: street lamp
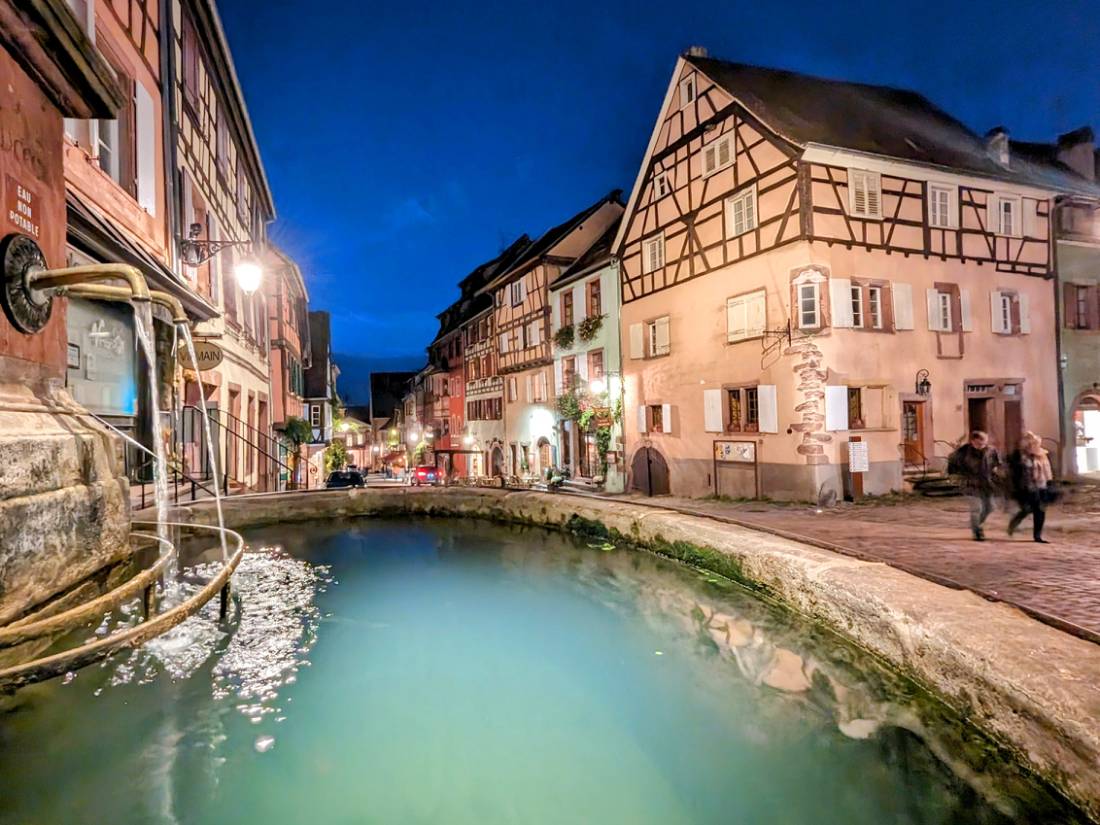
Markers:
(249, 273)
(467, 440)
(923, 385)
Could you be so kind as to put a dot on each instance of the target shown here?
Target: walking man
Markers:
(978, 464)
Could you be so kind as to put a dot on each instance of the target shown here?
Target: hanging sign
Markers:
(208, 354)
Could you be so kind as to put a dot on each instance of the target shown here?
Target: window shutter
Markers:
(666, 418)
(902, 295)
(934, 310)
(992, 216)
(1069, 306)
(146, 165)
(1032, 223)
(1025, 314)
(964, 304)
(662, 335)
(757, 315)
(557, 377)
(712, 411)
(737, 215)
(840, 297)
(543, 394)
(636, 340)
(836, 408)
(723, 151)
(767, 409)
(530, 389)
(582, 368)
(859, 193)
(580, 308)
(735, 319)
(642, 424)
(995, 314)
(709, 159)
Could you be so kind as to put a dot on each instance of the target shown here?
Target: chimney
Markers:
(696, 51)
(996, 144)
(1077, 150)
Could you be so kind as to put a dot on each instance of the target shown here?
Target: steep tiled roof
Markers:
(880, 120)
(595, 257)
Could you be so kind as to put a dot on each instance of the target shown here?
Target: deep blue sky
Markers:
(407, 142)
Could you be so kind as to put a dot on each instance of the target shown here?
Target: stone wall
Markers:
(64, 503)
(1032, 688)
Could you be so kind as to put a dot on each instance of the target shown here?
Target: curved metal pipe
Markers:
(69, 276)
(104, 292)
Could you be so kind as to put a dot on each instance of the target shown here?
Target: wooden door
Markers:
(912, 431)
(649, 472)
(1014, 425)
(498, 461)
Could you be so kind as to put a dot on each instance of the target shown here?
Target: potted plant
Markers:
(589, 328)
(564, 337)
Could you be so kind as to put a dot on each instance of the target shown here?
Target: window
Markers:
(661, 184)
(809, 306)
(657, 337)
(595, 300)
(1009, 311)
(513, 388)
(752, 409)
(595, 364)
(733, 408)
(743, 410)
(503, 342)
(518, 293)
(190, 63)
(1005, 216)
(540, 387)
(567, 308)
(857, 306)
(315, 415)
(864, 194)
(222, 144)
(1005, 310)
(534, 333)
(568, 373)
(687, 90)
(717, 155)
(656, 418)
(874, 306)
(1081, 314)
(746, 316)
(941, 306)
(653, 254)
(855, 408)
(941, 205)
(741, 212)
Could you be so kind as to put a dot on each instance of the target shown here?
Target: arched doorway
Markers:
(649, 472)
(498, 461)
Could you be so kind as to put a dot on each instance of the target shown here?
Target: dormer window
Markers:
(687, 90)
(864, 194)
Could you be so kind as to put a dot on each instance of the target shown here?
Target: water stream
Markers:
(143, 318)
(211, 453)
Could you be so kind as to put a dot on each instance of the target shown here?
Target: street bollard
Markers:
(223, 604)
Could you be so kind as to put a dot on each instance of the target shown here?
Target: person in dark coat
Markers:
(978, 465)
(1031, 477)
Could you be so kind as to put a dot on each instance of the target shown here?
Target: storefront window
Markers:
(102, 375)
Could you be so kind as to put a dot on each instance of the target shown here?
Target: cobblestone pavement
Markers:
(1057, 582)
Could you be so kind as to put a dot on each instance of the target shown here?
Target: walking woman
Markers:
(1031, 477)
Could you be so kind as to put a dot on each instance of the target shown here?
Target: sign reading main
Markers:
(208, 355)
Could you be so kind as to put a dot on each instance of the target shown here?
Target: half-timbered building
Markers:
(824, 284)
(521, 317)
(222, 197)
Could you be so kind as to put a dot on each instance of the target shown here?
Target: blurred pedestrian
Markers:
(1031, 484)
(978, 465)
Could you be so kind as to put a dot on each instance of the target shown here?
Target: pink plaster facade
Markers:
(732, 233)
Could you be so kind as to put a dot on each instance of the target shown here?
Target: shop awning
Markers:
(92, 233)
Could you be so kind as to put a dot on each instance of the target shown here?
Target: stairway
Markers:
(933, 484)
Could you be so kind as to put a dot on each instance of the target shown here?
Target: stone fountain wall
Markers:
(64, 499)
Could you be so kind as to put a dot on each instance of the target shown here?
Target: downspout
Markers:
(1063, 435)
(168, 121)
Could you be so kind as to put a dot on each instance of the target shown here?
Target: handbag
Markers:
(1050, 494)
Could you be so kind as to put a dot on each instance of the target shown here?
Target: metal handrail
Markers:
(225, 427)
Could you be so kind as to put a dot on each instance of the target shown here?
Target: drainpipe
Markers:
(168, 121)
(1059, 202)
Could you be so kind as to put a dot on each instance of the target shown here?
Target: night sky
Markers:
(407, 142)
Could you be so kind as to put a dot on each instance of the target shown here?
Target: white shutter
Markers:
(582, 367)
(992, 216)
(643, 426)
(995, 314)
(637, 349)
(666, 418)
(503, 346)
(840, 297)
(767, 409)
(1025, 314)
(1033, 224)
(902, 295)
(836, 408)
(543, 394)
(709, 159)
(145, 118)
(757, 315)
(557, 377)
(662, 335)
(579, 309)
(859, 193)
(530, 389)
(712, 411)
(736, 319)
(934, 310)
(964, 304)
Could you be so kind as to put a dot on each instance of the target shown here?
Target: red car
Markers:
(426, 474)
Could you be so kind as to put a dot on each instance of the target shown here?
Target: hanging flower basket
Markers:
(590, 327)
(563, 338)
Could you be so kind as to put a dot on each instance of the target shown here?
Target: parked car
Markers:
(426, 474)
(344, 478)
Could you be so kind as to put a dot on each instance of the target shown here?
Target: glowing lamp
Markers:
(249, 273)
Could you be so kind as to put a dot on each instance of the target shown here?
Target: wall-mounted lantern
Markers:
(924, 386)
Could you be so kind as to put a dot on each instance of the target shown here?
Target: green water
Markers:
(452, 671)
